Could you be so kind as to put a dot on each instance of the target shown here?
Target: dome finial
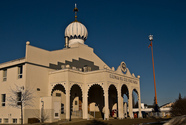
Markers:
(75, 10)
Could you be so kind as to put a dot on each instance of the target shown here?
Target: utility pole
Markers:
(156, 106)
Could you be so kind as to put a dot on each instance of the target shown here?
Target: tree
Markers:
(44, 116)
(179, 107)
(156, 107)
(20, 97)
(154, 103)
(179, 96)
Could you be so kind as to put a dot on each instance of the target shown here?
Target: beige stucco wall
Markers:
(37, 78)
(44, 57)
(5, 88)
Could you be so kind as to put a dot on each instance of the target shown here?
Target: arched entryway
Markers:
(125, 95)
(59, 91)
(113, 101)
(96, 101)
(75, 101)
(134, 98)
(135, 103)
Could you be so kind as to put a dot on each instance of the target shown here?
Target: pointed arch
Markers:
(96, 100)
(76, 100)
(125, 95)
(113, 100)
(124, 90)
(59, 87)
(135, 98)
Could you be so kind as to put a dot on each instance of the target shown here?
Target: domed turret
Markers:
(75, 32)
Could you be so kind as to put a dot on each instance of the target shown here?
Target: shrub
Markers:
(179, 107)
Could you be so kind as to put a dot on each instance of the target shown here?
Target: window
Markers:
(62, 108)
(4, 74)
(18, 98)
(0, 120)
(20, 72)
(5, 120)
(3, 99)
(56, 115)
(14, 120)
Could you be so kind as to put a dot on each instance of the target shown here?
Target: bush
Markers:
(179, 107)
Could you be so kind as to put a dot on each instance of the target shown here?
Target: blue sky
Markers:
(118, 31)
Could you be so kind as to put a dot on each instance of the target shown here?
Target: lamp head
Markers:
(151, 37)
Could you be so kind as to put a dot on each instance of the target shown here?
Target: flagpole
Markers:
(151, 39)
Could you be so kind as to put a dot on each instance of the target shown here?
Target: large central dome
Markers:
(75, 32)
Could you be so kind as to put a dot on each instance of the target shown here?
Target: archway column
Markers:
(130, 105)
(85, 105)
(125, 110)
(67, 105)
(139, 106)
(120, 105)
(106, 104)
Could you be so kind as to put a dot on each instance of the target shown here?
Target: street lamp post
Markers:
(156, 106)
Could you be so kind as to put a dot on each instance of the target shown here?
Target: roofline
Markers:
(12, 62)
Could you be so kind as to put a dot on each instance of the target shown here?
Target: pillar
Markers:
(67, 105)
(85, 105)
(122, 108)
(130, 105)
(125, 110)
(139, 106)
(106, 104)
(120, 105)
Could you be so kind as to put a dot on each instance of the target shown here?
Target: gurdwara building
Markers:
(69, 83)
